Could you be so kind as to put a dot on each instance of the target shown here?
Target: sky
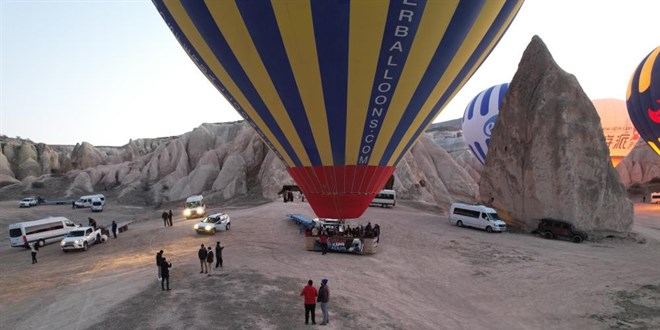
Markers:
(105, 72)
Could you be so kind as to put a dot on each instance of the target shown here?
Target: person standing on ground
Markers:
(34, 247)
(73, 204)
(165, 273)
(209, 261)
(159, 261)
(169, 217)
(218, 254)
(309, 292)
(323, 239)
(164, 217)
(324, 298)
(114, 228)
(202, 258)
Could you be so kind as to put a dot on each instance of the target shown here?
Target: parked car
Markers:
(28, 202)
(213, 223)
(554, 228)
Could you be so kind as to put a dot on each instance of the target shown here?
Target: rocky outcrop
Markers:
(548, 156)
(642, 165)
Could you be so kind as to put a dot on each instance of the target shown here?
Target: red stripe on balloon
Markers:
(341, 192)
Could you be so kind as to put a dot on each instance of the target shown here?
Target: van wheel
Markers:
(228, 226)
(85, 246)
(547, 235)
(98, 239)
(459, 223)
(577, 239)
(489, 229)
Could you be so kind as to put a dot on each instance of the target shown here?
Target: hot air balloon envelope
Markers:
(339, 90)
(643, 99)
(479, 119)
(620, 134)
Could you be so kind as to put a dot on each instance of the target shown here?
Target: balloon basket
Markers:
(357, 245)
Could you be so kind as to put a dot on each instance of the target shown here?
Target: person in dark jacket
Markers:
(92, 223)
(309, 292)
(164, 217)
(202, 259)
(159, 261)
(165, 273)
(218, 254)
(169, 218)
(209, 261)
(324, 298)
(114, 228)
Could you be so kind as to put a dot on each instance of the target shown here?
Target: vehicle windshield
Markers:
(210, 220)
(76, 233)
(494, 216)
(27, 199)
(191, 205)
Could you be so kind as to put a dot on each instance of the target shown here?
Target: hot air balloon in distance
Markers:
(339, 90)
(643, 99)
(479, 119)
(620, 134)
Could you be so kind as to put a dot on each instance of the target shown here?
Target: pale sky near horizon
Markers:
(108, 71)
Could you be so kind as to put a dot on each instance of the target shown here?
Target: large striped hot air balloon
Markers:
(339, 90)
(479, 119)
(643, 99)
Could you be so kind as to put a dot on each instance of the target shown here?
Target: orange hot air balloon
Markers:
(339, 90)
(620, 134)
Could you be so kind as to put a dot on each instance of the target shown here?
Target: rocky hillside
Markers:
(228, 161)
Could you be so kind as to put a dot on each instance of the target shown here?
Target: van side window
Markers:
(467, 213)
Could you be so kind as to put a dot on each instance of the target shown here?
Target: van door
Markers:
(484, 221)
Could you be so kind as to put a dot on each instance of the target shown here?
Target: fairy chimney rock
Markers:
(548, 156)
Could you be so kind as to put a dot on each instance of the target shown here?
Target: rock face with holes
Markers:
(548, 156)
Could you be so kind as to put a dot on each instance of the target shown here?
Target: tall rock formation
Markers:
(548, 156)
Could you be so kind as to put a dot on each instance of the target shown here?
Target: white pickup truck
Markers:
(81, 238)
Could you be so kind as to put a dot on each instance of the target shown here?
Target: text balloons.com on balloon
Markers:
(339, 90)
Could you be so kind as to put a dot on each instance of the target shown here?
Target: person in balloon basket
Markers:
(165, 274)
(324, 299)
(323, 239)
(202, 259)
(309, 293)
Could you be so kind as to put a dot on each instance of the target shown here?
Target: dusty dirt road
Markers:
(427, 274)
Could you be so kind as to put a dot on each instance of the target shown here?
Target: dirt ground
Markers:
(426, 274)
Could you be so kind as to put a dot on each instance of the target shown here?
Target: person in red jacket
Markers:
(309, 292)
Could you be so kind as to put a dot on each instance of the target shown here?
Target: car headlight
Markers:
(196, 226)
(208, 228)
(186, 212)
(200, 210)
(79, 241)
(62, 243)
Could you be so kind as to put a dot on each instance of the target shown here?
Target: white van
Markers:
(655, 197)
(195, 207)
(477, 216)
(42, 231)
(86, 201)
(385, 198)
(97, 205)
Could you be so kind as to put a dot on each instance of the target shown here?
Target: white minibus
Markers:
(86, 201)
(477, 216)
(41, 231)
(385, 198)
(655, 197)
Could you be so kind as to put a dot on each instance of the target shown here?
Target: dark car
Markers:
(554, 228)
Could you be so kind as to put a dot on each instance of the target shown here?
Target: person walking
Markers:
(202, 258)
(165, 273)
(169, 217)
(34, 247)
(309, 293)
(218, 254)
(73, 204)
(114, 228)
(324, 298)
(209, 261)
(159, 261)
(164, 217)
